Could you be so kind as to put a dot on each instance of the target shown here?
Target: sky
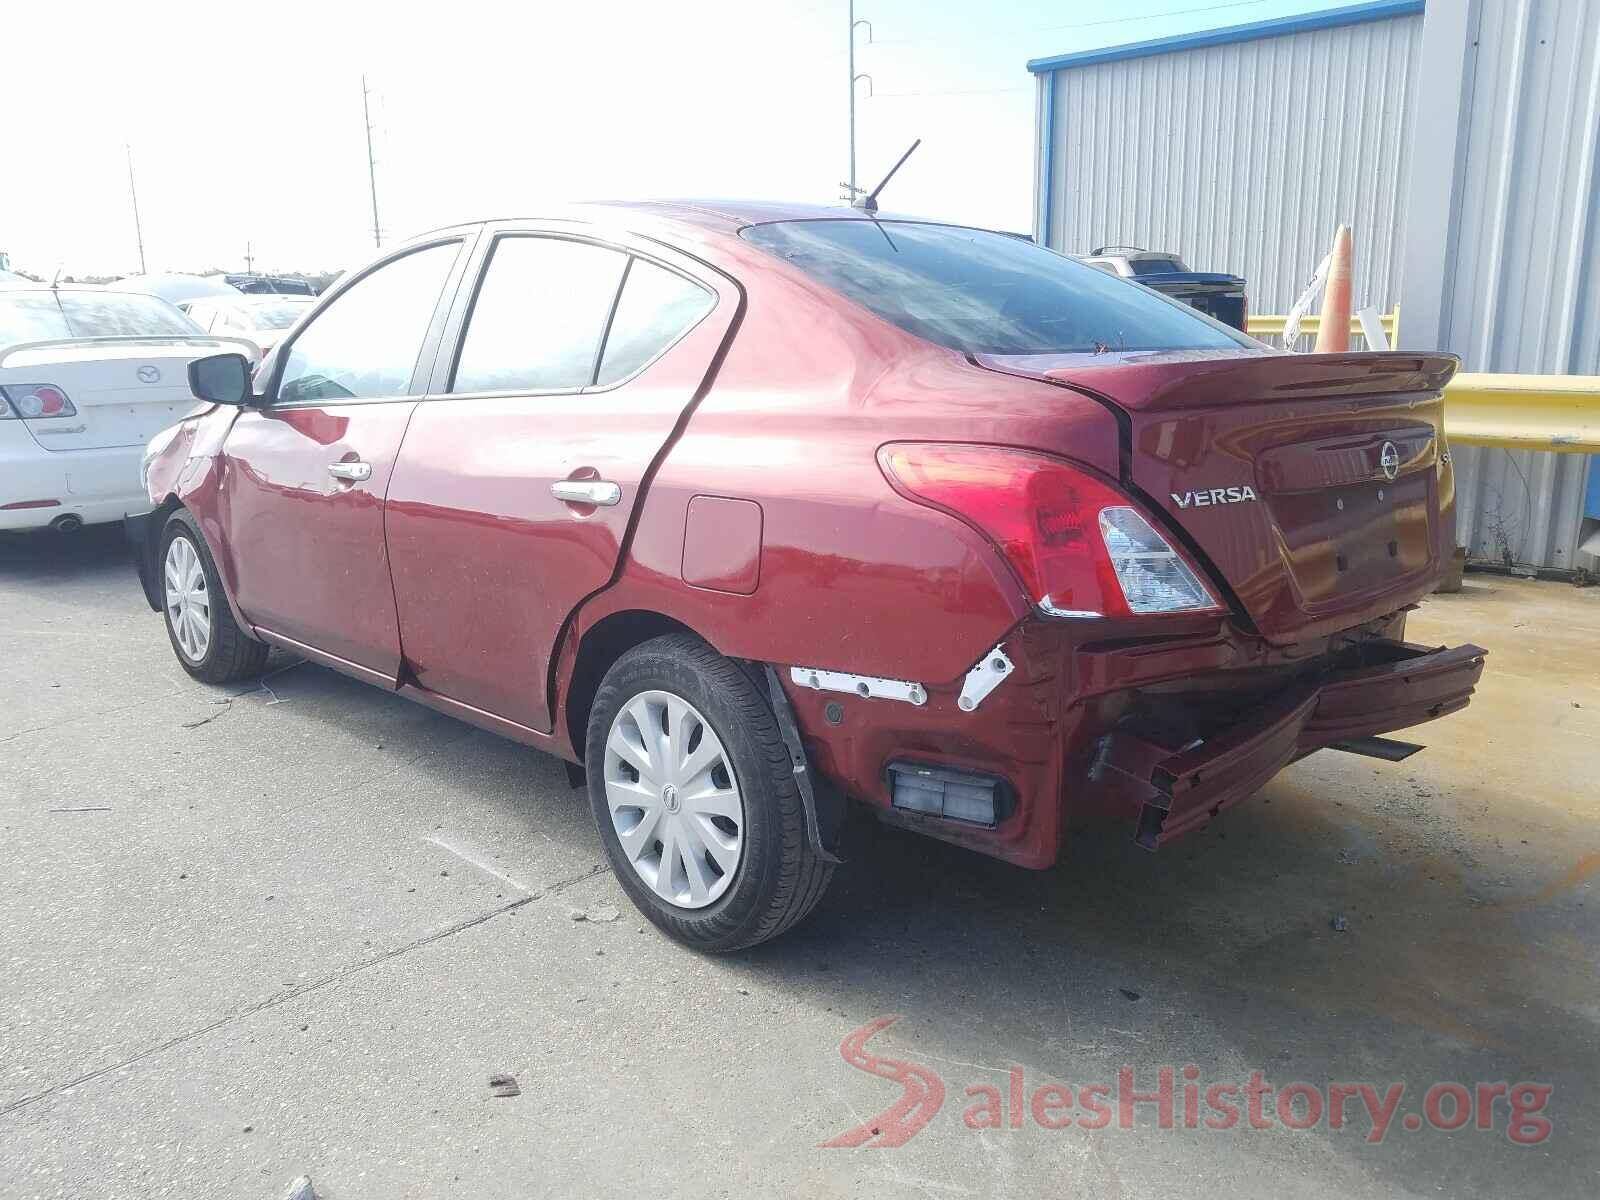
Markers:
(246, 130)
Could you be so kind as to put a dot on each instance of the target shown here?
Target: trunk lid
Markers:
(125, 390)
(1315, 486)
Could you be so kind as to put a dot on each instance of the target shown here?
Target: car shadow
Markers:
(47, 557)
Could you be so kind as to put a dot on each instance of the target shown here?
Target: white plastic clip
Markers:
(984, 678)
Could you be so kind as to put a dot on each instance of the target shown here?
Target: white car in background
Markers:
(262, 319)
(87, 377)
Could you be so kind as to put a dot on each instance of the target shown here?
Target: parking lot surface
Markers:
(257, 932)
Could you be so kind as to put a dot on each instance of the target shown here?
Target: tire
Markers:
(775, 879)
(209, 643)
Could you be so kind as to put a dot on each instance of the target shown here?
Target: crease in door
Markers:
(403, 672)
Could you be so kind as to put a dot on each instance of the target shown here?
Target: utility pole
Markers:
(850, 185)
(249, 262)
(372, 173)
(138, 230)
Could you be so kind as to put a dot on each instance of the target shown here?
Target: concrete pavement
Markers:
(292, 928)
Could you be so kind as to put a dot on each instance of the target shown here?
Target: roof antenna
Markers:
(869, 202)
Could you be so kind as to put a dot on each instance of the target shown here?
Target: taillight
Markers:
(1079, 547)
(34, 401)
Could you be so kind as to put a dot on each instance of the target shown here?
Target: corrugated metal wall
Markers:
(1522, 274)
(1244, 157)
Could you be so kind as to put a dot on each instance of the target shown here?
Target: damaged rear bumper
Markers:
(1176, 789)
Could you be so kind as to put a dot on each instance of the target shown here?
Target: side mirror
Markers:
(221, 379)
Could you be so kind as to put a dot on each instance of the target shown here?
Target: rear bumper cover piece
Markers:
(141, 530)
(1180, 789)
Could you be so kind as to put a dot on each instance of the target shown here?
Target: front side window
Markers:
(365, 344)
(539, 316)
(984, 293)
(657, 307)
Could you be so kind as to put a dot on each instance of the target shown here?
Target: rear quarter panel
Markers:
(852, 576)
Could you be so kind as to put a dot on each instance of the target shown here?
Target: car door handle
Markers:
(586, 491)
(354, 472)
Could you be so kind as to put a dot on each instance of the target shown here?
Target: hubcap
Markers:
(674, 801)
(188, 603)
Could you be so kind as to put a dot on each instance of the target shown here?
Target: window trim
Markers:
(590, 388)
(464, 241)
(611, 319)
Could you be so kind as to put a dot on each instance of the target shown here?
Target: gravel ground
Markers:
(294, 928)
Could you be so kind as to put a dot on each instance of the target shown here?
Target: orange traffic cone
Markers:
(1333, 336)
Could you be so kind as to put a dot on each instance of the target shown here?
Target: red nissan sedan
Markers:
(754, 511)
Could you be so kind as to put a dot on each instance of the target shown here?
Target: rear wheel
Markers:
(694, 796)
(208, 642)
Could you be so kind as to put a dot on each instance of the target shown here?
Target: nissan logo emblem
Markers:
(1389, 460)
(150, 374)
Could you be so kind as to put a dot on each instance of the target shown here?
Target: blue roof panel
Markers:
(1355, 14)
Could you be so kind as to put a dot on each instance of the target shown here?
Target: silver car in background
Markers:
(87, 377)
(264, 319)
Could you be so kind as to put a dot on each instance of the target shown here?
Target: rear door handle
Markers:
(586, 491)
(354, 472)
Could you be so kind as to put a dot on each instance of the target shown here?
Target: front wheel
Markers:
(694, 796)
(208, 642)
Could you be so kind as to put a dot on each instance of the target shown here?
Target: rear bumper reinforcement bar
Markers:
(1183, 788)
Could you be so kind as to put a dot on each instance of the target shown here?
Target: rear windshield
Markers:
(985, 293)
(122, 314)
(1154, 266)
(30, 317)
(51, 316)
(275, 314)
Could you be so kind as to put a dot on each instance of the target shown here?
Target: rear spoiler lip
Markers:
(203, 340)
(1156, 381)
(1201, 277)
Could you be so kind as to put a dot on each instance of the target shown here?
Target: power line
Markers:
(950, 92)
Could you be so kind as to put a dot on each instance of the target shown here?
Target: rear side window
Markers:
(657, 308)
(985, 293)
(200, 312)
(365, 344)
(539, 316)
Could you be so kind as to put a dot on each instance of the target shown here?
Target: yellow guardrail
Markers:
(1515, 412)
(1267, 325)
(1524, 412)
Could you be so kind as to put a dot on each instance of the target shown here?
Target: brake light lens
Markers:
(34, 401)
(1079, 547)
